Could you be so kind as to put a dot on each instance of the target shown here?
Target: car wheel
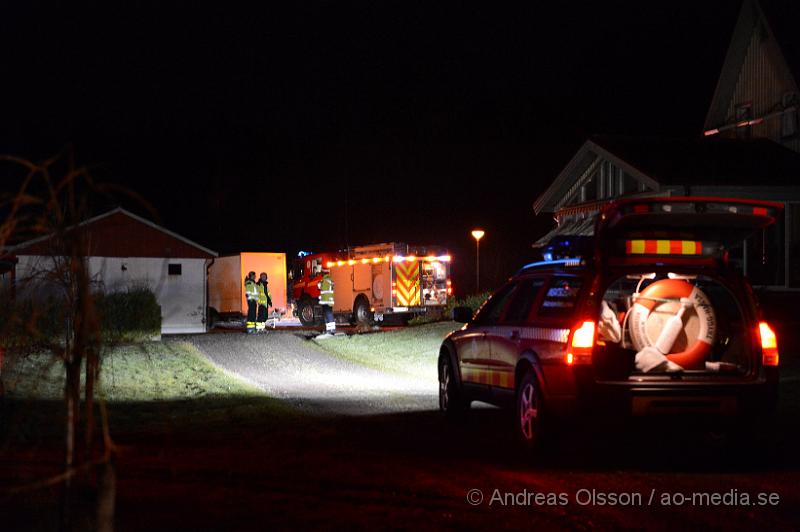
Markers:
(451, 403)
(305, 312)
(362, 313)
(529, 411)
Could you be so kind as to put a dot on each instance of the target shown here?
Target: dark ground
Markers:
(270, 468)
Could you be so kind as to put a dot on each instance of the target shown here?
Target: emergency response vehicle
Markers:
(645, 318)
(373, 282)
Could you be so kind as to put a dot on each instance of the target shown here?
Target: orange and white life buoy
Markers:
(662, 300)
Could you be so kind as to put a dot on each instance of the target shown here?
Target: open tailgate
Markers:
(680, 227)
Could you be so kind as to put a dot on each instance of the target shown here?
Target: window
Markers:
(589, 191)
(793, 226)
(297, 272)
(174, 269)
(629, 184)
(492, 309)
(524, 297)
(789, 123)
(744, 111)
(316, 267)
(561, 296)
(764, 255)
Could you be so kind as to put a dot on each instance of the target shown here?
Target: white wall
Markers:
(182, 297)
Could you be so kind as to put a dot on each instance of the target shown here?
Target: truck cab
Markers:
(304, 277)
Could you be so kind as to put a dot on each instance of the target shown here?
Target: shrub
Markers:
(473, 301)
(131, 315)
(25, 324)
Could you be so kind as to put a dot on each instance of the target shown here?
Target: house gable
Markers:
(757, 82)
(120, 233)
(593, 174)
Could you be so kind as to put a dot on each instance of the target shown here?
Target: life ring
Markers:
(650, 312)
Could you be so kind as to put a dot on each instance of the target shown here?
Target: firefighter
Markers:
(326, 300)
(251, 294)
(264, 302)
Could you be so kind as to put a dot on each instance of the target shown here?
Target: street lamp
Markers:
(477, 234)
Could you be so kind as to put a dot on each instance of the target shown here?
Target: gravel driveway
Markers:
(288, 366)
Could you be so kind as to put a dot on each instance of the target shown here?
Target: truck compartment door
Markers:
(362, 277)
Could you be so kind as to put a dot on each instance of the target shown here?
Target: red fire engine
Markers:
(373, 282)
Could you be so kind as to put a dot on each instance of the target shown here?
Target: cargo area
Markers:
(226, 281)
(673, 326)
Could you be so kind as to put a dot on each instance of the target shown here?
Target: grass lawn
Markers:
(409, 351)
(147, 386)
(151, 371)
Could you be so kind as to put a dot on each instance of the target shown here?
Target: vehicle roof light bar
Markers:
(388, 258)
(569, 263)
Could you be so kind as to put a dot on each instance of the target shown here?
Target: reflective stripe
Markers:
(326, 290)
(501, 379)
(546, 334)
(663, 247)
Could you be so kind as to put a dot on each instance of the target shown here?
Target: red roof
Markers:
(119, 233)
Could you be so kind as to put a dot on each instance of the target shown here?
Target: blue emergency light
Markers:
(568, 247)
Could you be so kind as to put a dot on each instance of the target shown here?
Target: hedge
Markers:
(134, 313)
(473, 301)
(127, 316)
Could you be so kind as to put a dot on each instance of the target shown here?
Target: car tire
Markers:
(362, 313)
(528, 411)
(451, 402)
(305, 311)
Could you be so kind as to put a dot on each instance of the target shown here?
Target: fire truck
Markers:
(373, 282)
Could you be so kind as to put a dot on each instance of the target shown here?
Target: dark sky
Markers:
(251, 128)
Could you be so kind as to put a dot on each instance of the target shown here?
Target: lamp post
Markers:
(477, 234)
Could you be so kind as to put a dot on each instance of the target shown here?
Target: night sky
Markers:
(423, 119)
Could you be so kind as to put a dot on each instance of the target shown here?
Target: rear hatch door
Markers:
(678, 229)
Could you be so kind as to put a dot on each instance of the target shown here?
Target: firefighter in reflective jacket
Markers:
(264, 301)
(251, 294)
(326, 300)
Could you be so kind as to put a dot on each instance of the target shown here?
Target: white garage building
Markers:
(127, 250)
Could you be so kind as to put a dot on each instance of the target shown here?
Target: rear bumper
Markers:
(753, 398)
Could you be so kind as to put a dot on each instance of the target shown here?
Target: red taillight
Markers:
(769, 344)
(581, 343)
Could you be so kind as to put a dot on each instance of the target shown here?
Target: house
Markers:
(750, 149)
(125, 250)
(757, 94)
